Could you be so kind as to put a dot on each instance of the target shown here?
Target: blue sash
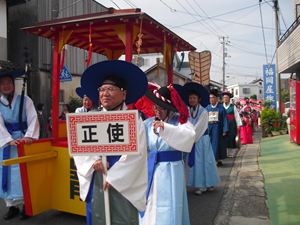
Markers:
(155, 157)
(191, 158)
(11, 127)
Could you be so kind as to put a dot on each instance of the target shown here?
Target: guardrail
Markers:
(289, 30)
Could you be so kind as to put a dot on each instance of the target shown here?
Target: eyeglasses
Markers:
(109, 89)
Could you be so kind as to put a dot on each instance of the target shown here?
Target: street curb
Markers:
(244, 197)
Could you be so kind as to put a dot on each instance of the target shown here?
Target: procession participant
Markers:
(203, 174)
(169, 134)
(118, 82)
(144, 104)
(234, 122)
(18, 124)
(246, 131)
(87, 103)
(217, 126)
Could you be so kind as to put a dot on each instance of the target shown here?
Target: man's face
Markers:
(87, 102)
(226, 99)
(6, 86)
(111, 96)
(193, 100)
(212, 99)
(160, 112)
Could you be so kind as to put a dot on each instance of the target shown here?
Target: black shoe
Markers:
(12, 212)
(219, 163)
(23, 215)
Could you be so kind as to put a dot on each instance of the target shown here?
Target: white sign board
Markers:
(103, 133)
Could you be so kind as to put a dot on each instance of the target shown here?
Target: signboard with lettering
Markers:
(103, 133)
(270, 84)
(200, 63)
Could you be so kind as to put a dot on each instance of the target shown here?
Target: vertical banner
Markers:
(200, 63)
(270, 84)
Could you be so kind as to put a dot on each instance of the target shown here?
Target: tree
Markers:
(253, 97)
(285, 95)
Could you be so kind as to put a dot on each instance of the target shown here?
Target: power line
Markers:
(195, 16)
(234, 11)
(249, 51)
(115, 4)
(208, 16)
(263, 32)
(132, 5)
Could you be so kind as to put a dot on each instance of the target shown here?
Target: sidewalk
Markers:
(244, 199)
(280, 164)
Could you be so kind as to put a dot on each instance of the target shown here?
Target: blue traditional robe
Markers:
(216, 127)
(167, 197)
(203, 173)
(10, 130)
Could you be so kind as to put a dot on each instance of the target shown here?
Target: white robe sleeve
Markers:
(33, 126)
(85, 173)
(129, 175)
(237, 117)
(180, 137)
(5, 136)
(201, 125)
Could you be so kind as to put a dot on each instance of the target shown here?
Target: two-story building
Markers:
(247, 90)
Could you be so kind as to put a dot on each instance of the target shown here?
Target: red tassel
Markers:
(88, 61)
(90, 47)
(179, 105)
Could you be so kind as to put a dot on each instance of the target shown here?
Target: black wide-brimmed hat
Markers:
(168, 97)
(198, 89)
(81, 92)
(10, 69)
(214, 92)
(228, 94)
(133, 77)
(162, 98)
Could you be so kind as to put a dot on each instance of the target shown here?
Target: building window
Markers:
(260, 91)
(236, 92)
(246, 91)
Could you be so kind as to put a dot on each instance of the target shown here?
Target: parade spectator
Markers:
(42, 120)
(234, 122)
(87, 103)
(65, 110)
(18, 124)
(117, 82)
(169, 134)
(203, 174)
(217, 127)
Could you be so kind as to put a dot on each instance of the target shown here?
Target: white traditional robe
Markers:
(33, 127)
(128, 175)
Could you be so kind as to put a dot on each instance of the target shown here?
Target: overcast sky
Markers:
(203, 22)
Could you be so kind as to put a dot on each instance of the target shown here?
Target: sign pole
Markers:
(106, 197)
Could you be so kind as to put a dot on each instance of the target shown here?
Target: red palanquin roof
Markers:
(108, 29)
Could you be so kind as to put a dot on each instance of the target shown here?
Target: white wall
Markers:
(3, 19)
(3, 30)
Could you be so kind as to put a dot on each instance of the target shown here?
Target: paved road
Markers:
(203, 208)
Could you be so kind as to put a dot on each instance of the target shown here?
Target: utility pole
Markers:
(224, 42)
(278, 79)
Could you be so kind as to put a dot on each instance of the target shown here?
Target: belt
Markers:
(213, 122)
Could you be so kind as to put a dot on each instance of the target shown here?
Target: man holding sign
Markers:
(116, 83)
